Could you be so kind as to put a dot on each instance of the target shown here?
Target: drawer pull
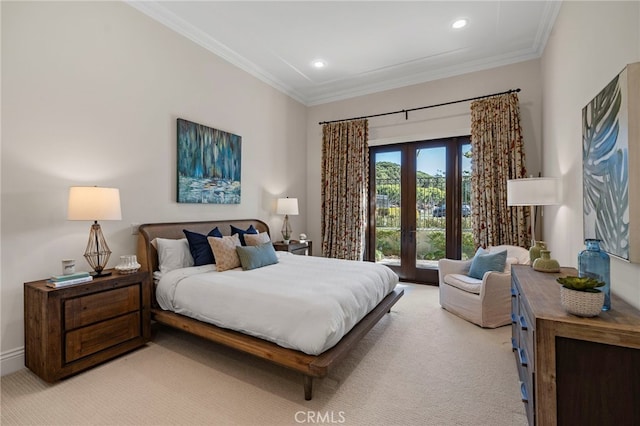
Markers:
(523, 323)
(523, 393)
(514, 293)
(514, 346)
(513, 319)
(522, 356)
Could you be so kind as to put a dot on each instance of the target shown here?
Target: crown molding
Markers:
(156, 11)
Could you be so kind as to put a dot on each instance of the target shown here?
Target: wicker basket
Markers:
(581, 303)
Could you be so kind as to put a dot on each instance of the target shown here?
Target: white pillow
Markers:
(173, 254)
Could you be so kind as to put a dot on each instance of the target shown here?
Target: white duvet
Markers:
(302, 302)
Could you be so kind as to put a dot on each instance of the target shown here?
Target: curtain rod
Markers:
(406, 111)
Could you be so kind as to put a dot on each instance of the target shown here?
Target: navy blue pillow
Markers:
(199, 246)
(241, 232)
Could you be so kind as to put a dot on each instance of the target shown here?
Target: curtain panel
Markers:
(497, 154)
(345, 163)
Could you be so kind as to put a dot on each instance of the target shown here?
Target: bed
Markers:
(297, 357)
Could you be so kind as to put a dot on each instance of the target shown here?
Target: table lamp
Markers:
(533, 192)
(287, 206)
(95, 203)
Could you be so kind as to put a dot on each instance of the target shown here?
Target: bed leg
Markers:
(308, 387)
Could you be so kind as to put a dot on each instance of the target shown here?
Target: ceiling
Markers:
(368, 46)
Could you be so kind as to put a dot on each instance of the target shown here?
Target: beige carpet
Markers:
(419, 366)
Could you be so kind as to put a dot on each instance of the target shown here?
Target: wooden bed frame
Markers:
(309, 365)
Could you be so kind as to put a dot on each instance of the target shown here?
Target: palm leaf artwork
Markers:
(605, 171)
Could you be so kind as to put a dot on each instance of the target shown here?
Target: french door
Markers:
(419, 206)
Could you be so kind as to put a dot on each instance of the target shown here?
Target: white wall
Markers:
(90, 96)
(453, 120)
(590, 44)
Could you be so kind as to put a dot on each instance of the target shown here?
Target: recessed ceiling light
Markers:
(459, 24)
(319, 63)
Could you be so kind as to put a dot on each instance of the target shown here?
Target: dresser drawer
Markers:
(94, 338)
(526, 392)
(93, 308)
(527, 336)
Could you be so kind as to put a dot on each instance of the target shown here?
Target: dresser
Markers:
(573, 370)
(71, 329)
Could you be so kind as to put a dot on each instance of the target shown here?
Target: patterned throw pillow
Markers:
(224, 250)
(256, 239)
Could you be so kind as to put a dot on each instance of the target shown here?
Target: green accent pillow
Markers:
(252, 257)
(484, 261)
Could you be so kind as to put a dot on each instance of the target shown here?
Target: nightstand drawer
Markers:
(85, 310)
(94, 338)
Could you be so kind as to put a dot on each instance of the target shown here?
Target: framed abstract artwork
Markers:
(209, 163)
(611, 166)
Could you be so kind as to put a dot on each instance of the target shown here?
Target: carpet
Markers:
(420, 365)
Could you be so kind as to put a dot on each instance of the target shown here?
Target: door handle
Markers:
(412, 231)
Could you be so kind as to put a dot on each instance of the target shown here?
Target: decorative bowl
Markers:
(128, 264)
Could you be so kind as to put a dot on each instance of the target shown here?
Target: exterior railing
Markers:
(430, 225)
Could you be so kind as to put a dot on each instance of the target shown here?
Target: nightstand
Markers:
(304, 248)
(71, 329)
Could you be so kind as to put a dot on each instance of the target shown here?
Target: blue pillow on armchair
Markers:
(484, 261)
(199, 246)
(241, 232)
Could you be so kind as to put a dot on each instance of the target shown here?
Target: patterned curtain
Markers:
(345, 162)
(497, 154)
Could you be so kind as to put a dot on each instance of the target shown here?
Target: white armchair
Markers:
(485, 302)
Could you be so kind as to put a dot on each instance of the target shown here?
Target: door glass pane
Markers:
(388, 204)
(468, 249)
(430, 235)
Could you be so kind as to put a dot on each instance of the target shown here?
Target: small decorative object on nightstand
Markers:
(128, 264)
(304, 248)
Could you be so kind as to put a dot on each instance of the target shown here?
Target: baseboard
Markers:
(11, 361)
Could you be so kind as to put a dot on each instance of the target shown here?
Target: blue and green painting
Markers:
(208, 164)
(605, 166)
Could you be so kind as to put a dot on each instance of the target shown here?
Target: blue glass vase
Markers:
(594, 263)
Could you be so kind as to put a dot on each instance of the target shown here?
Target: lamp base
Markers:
(95, 274)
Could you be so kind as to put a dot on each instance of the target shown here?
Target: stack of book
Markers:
(57, 281)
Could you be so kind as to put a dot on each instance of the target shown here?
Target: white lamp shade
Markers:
(287, 206)
(533, 192)
(94, 203)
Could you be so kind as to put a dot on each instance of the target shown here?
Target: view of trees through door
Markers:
(412, 186)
